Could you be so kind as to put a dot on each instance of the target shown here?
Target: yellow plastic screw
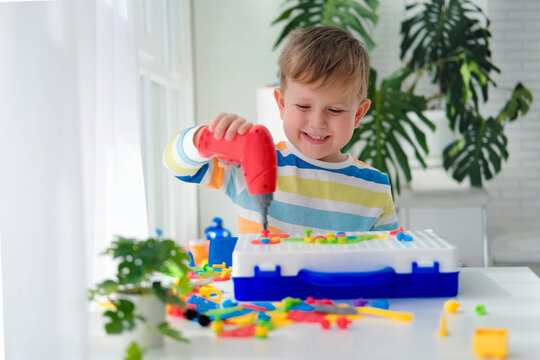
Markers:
(442, 327)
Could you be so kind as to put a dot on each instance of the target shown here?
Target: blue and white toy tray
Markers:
(378, 268)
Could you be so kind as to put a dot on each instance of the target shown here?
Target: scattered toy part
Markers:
(480, 309)
(451, 306)
(402, 237)
(442, 331)
(395, 232)
(395, 315)
(242, 331)
(210, 292)
(489, 342)
(381, 304)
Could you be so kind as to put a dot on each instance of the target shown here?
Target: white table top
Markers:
(511, 297)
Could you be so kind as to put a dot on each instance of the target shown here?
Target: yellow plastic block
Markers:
(490, 343)
(451, 306)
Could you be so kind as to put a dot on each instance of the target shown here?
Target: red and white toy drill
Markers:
(256, 153)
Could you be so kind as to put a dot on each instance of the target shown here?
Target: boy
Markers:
(322, 98)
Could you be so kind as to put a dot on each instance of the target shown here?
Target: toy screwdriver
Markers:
(256, 153)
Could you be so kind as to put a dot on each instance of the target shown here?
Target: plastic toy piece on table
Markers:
(278, 318)
(490, 343)
(306, 316)
(402, 237)
(395, 232)
(381, 304)
(245, 319)
(199, 251)
(210, 292)
(451, 306)
(399, 316)
(216, 230)
(333, 318)
(229, 303)
(360, 302)
(243, 331)
(203, 305)
(332, 309)
(342, 322)
(217, 326)
(261, 331)
(221, 266)
(192, 314)
(480, 309)
(442, 331)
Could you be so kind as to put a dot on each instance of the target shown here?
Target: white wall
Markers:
(515, 193)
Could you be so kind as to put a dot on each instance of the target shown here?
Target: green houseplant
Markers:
(139, 289)
(448, 39)
(388, 125)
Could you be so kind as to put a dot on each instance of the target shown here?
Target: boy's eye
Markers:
(303, 107)
(335, 111)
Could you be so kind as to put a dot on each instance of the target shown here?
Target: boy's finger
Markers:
(232, 130)
(225, 165)
(244, 128)
(223, 124)
(215, 121)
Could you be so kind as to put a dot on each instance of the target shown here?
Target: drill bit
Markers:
(263, 202)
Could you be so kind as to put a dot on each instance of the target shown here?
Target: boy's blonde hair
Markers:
(325, 53)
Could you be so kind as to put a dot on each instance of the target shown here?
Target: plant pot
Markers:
(154, 311)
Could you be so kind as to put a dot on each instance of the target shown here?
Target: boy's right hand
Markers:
(228, 126)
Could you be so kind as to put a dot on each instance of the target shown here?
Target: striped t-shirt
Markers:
(310, 194)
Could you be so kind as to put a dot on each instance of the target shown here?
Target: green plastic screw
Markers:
(308, 232)
(480, 309)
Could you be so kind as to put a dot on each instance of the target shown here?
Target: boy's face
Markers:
(319, 121)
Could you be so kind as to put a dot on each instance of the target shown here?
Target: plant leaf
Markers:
(166, 330)
(349, 15)
(134, 352)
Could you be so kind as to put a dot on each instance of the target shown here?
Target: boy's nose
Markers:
(318, 121)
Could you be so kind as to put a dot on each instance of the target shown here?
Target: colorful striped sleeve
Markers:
(182, 159)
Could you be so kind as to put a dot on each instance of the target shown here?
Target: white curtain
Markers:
(113, 178)
(71, 172)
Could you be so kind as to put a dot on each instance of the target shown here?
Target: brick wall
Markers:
(515, 192)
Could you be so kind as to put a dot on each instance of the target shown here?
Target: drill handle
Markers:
(229, 151)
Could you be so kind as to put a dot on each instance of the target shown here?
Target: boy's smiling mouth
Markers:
(314, 138)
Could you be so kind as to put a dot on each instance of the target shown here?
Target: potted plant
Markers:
(449, 40)
(138, 293)
(389, 125)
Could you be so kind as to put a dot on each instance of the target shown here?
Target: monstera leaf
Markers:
(353, 16)
(478, 154)
(388, 126)
(442, 38)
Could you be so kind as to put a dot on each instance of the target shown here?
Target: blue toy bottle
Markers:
(221, 243)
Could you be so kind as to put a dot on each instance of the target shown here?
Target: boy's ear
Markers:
(280, 100)
(361, 111)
